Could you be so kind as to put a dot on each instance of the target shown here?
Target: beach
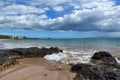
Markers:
(30, 64)
(37, 69)
(59, 40)
(38, 60)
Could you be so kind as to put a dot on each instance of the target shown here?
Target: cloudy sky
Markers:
(60, 18)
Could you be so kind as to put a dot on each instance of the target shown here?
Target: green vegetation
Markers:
(12, 37)
(4, 37)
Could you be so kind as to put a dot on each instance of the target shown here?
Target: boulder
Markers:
(104, 67)
(76, 68)
(10, 56)
(90, 72)
(101, 55)
(30, 52)
(104, 58)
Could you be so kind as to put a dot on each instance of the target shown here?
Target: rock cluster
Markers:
(8, 57)
(103, 67)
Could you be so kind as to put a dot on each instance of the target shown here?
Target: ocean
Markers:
(80, 50)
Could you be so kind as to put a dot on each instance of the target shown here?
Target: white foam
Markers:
(14, 45)
(118, 61)
(56, 57)
(20, 45)
(72, 56)
(68, 56)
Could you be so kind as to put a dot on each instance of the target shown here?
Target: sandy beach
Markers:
(37, 69)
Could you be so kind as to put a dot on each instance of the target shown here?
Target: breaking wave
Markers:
(72, 56)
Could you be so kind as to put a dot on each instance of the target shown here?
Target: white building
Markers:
(16, 37)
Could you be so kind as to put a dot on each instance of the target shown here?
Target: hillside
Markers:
(4, 37)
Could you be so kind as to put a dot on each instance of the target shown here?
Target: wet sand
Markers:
(37, 69)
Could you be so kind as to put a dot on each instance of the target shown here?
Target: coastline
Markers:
(30, 64)
(54, 65)
(36, 69)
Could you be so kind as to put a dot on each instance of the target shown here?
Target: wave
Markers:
(1, 46)
(72, 56)
(15, 45)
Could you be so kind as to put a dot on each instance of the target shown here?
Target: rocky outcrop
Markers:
(101, 55)
(29, 52)
(103, 66)
(104, 58)
(8, 57)
(90, 72)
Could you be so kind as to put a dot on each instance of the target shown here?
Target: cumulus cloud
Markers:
(48, 2)
(21, 9)
(58, 8)
(85, 15)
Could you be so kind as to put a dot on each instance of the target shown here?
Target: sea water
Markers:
(74, 50)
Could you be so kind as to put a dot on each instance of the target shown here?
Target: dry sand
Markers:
(37, 69)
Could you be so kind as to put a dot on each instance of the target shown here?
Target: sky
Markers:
(60, 18)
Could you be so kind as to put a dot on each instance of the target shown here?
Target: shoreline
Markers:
(24, 67)
(37, 69)
(30, 64)
(9, 56)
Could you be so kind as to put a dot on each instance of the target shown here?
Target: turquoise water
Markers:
(111, 42)
(80, 49)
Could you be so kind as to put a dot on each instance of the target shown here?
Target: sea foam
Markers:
(71, 56)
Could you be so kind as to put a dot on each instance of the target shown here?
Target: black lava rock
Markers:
(9, 56)
(101, 55)
(108, 69)
(90, 72)
(105, 57)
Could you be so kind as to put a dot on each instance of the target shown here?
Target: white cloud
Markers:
(48, 2)
(93, 16)
(87, 15)
(21, 9)
(58, 8)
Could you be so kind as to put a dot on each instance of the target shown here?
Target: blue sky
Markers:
(60, 18)
(47, 34)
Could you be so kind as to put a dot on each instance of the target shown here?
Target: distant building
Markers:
(17, 37)
(12, 37)
(20, 37)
